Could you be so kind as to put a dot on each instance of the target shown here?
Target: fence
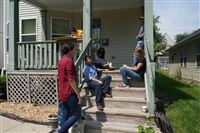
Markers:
(37, 87)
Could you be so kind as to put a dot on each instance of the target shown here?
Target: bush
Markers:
(178, 74)
(3, 87)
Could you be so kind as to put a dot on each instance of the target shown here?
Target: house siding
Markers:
(119, 26)
(27, 10)
(191, 72)
(1, 34)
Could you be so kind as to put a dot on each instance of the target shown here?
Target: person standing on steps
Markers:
(140, 39)
(101, 85)
(68, 91)
(135, 72)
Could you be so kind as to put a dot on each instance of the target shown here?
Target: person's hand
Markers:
(79, 100)
(125, 65)
(100, 82)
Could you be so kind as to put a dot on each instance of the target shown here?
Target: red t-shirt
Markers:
(66, 72)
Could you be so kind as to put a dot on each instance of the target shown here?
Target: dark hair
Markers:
(85, 59)
(66, 48)
(101, 53)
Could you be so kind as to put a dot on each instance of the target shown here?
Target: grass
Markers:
(183, 110)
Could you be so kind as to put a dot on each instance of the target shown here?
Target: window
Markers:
(60, 27)
(28, 30)
(183, 58)
(198, 55)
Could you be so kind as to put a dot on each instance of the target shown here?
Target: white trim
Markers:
(36, 27)
(51, 18)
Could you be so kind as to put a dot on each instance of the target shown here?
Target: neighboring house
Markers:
(162, 58)
(185, 56)
(1, 34)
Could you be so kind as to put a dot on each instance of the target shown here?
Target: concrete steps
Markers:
(118, 102)
(115, 115)
(109, 127)
(122, 113)
(133, 83)
(136, 92)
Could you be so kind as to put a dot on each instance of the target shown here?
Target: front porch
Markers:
(32, 71)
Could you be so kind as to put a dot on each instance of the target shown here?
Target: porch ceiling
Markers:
(76, 5)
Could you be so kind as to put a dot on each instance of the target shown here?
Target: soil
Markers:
(27, 112)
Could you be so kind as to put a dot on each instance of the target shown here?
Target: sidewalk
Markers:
(11, 126)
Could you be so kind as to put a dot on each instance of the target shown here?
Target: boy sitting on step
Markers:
(100, 85)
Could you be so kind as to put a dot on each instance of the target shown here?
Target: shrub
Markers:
(3, 87)
(178, 74)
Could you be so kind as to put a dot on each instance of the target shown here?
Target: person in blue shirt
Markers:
(101, 85)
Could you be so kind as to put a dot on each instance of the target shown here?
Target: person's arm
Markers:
(135, 68)
(71, 74)
(138, 67)
(75, 88)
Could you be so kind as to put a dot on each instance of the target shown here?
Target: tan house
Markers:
(185, 57)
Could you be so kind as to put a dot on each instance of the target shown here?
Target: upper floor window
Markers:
(28, 30)
(60, 27)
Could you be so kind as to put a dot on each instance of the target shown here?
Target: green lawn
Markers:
(184, 106)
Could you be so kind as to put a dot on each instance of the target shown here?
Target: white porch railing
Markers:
(40, 55)
(149, 80)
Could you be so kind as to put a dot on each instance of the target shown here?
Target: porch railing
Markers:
(80, 62)
(149, 80)
(40, 55)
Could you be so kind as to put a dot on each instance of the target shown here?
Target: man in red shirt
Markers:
(68, 91)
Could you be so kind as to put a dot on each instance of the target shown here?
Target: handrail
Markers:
(149, 80)
(35, 42)
(83, 54)
(79, 63)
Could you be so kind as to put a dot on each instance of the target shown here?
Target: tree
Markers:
(181, 36)
(159, 38)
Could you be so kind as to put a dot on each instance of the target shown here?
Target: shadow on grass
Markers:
(170, 89)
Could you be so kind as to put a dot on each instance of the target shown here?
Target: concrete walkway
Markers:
(11, 126)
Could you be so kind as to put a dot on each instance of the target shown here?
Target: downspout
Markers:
(4, 38)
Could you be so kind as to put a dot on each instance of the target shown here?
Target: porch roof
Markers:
(76, 5)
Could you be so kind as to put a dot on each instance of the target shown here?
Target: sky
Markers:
(177, 16)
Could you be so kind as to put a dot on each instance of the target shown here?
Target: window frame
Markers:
(197, 53)
(63, 18)
(32, 34)
(183, 56)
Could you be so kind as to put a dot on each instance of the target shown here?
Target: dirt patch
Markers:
(27, 112)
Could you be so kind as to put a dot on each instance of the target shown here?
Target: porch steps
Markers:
(117, 102)
(109, 127)
(122, 113)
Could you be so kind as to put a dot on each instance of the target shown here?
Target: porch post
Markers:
(13, 33)
(87, 9)
(149, 26)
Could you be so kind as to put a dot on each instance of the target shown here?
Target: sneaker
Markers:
(108, 95)
(124, 86)
(100, 107)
